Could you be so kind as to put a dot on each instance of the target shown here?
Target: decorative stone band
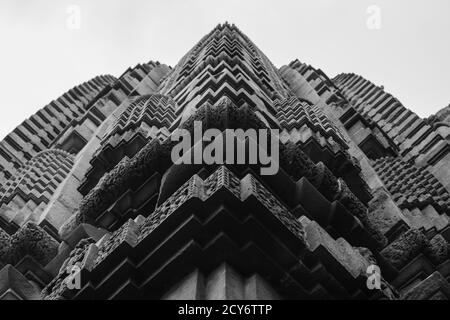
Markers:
(134, 232)
(221, 179)
(411, 244)
(155, 157)
(298, 165)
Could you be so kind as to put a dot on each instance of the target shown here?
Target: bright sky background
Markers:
(41, 58)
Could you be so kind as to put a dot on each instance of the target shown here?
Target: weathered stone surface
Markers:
(190, 288)
(357, 169)
(438, 249)
(34, 241)
(4, 244)
(433, 287)
(14, 285)
(383, 212)
(405, 248)
(349, 257)
(223, 283)
(55, 289)
(354, 205)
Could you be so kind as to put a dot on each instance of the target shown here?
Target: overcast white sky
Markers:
(41, 58)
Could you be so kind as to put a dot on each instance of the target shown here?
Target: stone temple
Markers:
(93, 207)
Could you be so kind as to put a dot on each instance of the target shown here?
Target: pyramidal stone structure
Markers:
(92, 205)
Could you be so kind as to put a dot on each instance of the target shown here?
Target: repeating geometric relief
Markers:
(93, 206)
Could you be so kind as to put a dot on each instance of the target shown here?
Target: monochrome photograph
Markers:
(238, 151)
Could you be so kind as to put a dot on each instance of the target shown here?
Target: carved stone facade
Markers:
(88, 182)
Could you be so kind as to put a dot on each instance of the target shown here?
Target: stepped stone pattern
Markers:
(88, 184)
